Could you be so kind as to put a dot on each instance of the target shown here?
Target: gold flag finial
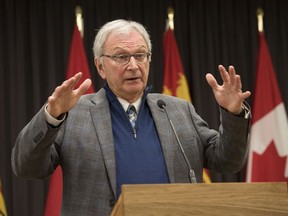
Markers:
(79, 20)
(170, 23)
(260, 15)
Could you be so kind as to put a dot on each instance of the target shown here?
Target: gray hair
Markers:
(118, 26)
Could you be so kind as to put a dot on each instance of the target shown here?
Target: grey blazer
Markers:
(83, 147)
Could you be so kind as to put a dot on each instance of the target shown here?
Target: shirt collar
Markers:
(125, 104)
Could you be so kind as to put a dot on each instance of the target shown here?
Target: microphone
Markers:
(161, 104)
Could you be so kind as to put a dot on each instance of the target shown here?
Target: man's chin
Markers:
(135, 89)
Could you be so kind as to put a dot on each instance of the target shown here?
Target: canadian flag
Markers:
(268, 155)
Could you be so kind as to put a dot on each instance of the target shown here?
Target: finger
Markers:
(246, 94)
(211, 80)
(67, 86)
(232, 75)
(84, 87)
(77, 77)
(73, 81)
(223, 73)
(70, 83)
(58, 91)
(237, 82)
(62, 89)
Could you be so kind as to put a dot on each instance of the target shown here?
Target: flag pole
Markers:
(260, 15)
(170, 21)
(79, 19)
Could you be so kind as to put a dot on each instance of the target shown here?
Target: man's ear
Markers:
(100, 68)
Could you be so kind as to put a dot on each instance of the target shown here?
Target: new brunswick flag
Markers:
(175, 82)
(3, 211)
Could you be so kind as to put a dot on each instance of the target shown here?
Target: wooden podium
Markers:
(203, 199)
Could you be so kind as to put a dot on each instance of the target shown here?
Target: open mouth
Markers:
(133, 78)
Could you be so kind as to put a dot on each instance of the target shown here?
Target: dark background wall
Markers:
(35, 39)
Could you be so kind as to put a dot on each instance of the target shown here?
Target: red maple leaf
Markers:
(270, 166)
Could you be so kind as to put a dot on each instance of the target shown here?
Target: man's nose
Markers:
(132, 63)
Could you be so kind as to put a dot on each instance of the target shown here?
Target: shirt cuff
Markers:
(53, 121)
(246, 111)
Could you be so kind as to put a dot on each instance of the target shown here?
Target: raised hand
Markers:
(229, 95)
(65, 96)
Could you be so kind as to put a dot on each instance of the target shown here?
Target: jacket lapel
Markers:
(165, 134)
(102, 124)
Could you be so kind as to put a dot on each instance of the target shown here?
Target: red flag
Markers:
(77, 59)
(268, 156)
(175, 82)
(77, 63)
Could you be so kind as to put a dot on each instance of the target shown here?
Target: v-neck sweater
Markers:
(139, 160)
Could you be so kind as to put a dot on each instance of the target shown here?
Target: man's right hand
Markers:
(65, 97)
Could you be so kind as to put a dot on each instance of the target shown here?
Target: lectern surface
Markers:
(203, 199)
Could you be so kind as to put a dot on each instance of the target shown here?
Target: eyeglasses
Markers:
(123, 59)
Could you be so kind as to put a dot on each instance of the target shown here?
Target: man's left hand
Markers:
(229, 95)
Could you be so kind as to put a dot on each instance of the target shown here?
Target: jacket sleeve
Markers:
(227, 150)
(34, 154)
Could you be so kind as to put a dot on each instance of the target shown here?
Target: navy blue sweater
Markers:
(138, 160)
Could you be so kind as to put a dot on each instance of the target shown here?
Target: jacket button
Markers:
(38, 137)
(111, 202)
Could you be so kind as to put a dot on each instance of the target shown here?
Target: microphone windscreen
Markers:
(161, 104)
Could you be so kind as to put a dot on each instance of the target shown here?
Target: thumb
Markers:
(246, 94)
(211, 80)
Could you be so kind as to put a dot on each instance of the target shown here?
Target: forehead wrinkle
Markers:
(129, 49)
(123, 42)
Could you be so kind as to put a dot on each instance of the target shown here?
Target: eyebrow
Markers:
(123, 50)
